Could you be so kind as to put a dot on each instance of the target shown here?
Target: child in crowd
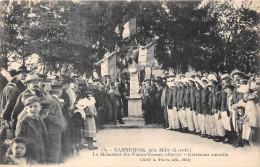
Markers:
(32, 130)
(76, 124)
(18, 156)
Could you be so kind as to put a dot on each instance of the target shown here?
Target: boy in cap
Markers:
(32, 82)
(33, 130)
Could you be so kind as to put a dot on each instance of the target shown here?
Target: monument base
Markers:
(135, 107)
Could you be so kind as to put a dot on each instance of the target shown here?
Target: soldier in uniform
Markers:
(193, 90)
(176, 121)
(164, 105)
(169, 97)
(216, 88)
(210, 113)
(204, 104)
(188, 106)
(222, 107)
(181, 107)
(199, 110)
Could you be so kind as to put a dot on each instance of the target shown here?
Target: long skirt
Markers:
(89, 127)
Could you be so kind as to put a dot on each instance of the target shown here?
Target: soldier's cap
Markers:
(30, 78)
(209, 84)
(56, 86)
(31, 100)
(192, 76)
(191, 79)
(204, 79)
(237, 72)
(170, 76)
(224, 76)
(182, 75)
(199, 82)
(212, 77)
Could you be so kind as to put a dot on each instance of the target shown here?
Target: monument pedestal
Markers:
(135, 107)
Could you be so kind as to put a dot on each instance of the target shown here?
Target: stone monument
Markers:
(134, 100)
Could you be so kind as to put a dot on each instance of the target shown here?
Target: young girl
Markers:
(89, 131)
(76, 122)
(17, 157)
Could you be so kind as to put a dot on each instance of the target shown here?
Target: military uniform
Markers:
(170, 107)
(188, 108)
(174, 106)
(193, 108)
(199, 110)
(181, 108)
(215, 103)
(204, 104)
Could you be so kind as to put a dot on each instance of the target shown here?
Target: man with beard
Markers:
(22, 74)
(32, 82)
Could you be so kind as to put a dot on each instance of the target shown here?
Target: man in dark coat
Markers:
(33, 89)
(22, 74)
(55, 124)
(8, 99)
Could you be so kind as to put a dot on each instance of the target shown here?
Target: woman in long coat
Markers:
(89, 131)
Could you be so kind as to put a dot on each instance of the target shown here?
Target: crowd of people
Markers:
(223, 107)
(48, 119)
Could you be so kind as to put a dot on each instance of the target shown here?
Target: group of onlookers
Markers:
(48, 119)
(223, 107)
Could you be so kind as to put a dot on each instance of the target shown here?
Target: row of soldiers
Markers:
(225, 109)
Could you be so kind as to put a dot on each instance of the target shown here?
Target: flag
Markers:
(108, 66)
(129, 28)
(146, 56)
(117, 30)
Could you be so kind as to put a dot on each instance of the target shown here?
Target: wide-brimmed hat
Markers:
(22, 69)
(209, 84)
(147, 79)
(236, 72)
(204, 79)
(212, 77)
(32, 78)
(224, 76)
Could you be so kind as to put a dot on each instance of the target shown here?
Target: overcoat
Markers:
(34, 132)
(8, 99)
